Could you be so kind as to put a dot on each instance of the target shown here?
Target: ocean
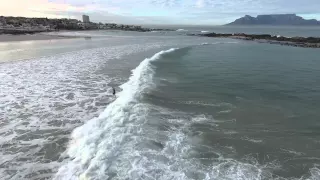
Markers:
(186, 107)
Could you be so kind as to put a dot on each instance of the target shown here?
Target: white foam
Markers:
(292, 152)
(225, 111)
(11, 51)
(314, 173)
(234, 170)
(200, 118)
(76, 34)
(214, 43)
(252, 140)
(36, 112)
(181, 30)
(95, 144)
(204, 31)
(201, 103)
(230, 132)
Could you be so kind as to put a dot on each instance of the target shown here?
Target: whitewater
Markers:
(121, 144)
(117, 145)
(108, 142)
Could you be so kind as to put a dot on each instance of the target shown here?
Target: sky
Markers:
(191, 12)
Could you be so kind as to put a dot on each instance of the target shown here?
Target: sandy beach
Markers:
(31, 37)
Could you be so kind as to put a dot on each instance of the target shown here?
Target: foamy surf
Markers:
(133, 139)
(50, 97)
(97, 143)
(214, 43)
(76, 34)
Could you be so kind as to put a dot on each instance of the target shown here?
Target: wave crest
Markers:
(96, 144)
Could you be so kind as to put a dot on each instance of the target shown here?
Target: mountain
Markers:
(275, 19)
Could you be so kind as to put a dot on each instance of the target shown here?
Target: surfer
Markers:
(113, 91)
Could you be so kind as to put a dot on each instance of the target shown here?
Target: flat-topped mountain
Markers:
(275, 19)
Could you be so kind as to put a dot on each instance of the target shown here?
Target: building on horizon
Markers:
(85, 19)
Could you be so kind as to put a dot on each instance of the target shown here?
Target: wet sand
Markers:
(31, 37)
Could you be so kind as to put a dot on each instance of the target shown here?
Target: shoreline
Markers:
(31, 37)
(305, 42)
(34, 36)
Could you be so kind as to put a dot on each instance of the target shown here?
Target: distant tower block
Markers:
(85, 19)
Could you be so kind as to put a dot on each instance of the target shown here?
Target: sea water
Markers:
(185, 108)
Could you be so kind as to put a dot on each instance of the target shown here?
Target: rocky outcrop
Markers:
(275, 19)
(307, 42)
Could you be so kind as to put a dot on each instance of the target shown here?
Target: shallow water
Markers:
(192, 108)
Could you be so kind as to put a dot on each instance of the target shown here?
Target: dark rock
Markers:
(310, 42)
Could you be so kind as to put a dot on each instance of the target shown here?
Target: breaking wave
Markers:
(95, 146)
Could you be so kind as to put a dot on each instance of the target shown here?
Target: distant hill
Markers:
(275, 19)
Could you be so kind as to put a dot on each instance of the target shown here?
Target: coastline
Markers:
(33, 36)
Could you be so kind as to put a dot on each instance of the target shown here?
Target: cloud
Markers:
(34, 8)
(200, 3)
(159, 11)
